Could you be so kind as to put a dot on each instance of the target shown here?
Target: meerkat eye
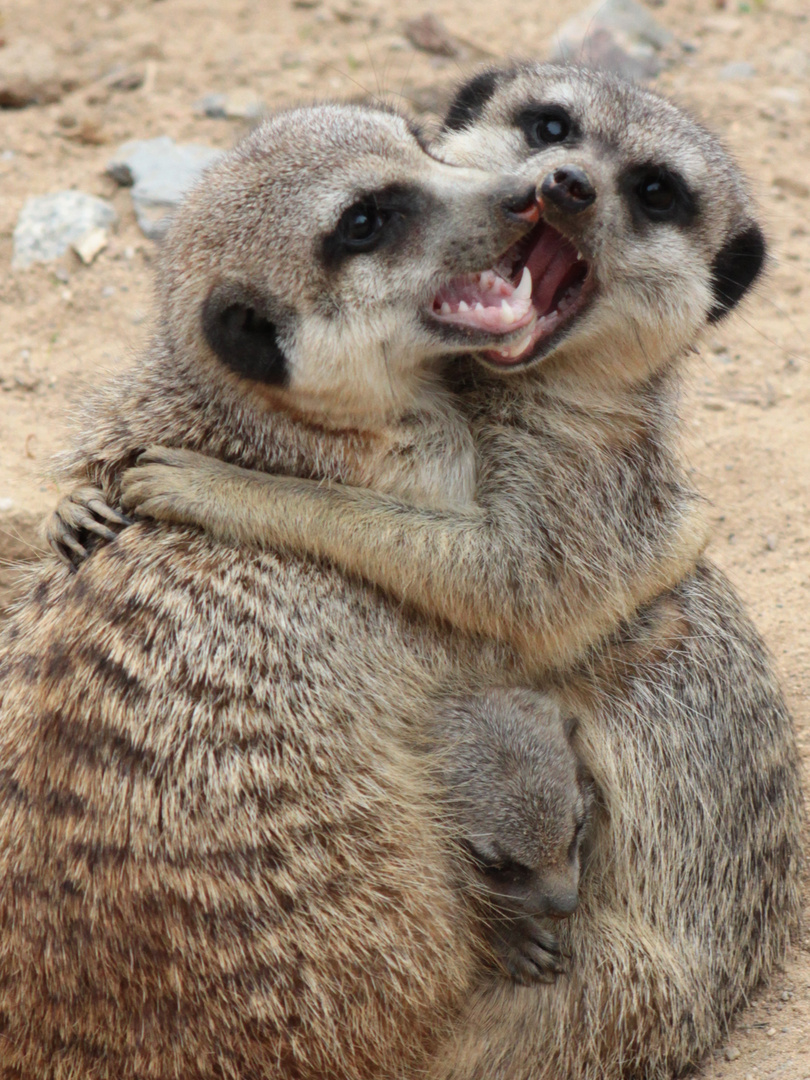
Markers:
(362, 225)
(502, 871)
(545, 126)
(376, 219)
(574, 845)
(663, 196)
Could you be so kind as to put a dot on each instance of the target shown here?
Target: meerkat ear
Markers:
(570, 726)
(470, 99)
(735, 269)
(237, 327)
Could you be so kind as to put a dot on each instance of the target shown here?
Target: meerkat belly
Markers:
(207, 793)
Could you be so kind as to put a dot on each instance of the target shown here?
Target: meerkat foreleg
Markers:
(484, 569)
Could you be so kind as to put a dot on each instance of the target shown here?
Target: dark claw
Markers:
(98, 529)
(102, 510)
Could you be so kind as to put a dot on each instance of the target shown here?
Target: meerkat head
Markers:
(518, 797)
(307, 262)
(648, 232)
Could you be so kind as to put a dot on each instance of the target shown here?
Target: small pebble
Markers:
(770, 1032)
(792, 186)
(29, 74)
(239, 104)
(90, 245)
(6, 505)
(785, 995)
(108, 291)
(732, 1053)
(770, 544)
(430, 35)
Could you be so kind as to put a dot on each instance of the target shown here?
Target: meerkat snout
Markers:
(562, 898)
(522, 206)
(569, 188)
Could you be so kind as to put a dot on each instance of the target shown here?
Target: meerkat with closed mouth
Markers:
(692, 891)
(520, 802)
(222, 853)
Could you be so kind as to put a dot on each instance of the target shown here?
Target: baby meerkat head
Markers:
(307, 262)
(518, 797)
(648, 231)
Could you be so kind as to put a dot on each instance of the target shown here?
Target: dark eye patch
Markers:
(547, 125)
(374, 220)
(659, 195)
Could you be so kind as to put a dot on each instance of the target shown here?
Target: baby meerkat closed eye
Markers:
(519, 800)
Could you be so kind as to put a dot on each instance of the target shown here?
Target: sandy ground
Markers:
(66, 326)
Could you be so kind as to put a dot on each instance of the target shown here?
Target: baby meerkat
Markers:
(519, 801)
(221, 851)
(579, 549)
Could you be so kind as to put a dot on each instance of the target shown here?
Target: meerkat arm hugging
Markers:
(221, 851)
(691, 892)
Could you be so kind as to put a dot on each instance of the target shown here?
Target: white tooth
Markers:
(524, 289)
(479, 306)
(507, 315)
(445, 308)
(463, 307)
(579, 255)
(487, 279)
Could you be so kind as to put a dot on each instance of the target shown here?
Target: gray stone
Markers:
(737, 69)
(160, 172)
(49, 224)
(239, 104)
(619, 36)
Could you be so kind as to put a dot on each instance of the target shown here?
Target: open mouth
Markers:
(533, 293)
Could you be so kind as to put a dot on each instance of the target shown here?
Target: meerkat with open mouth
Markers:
(222, 853)
(581, 552)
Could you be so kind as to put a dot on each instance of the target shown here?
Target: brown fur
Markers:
(519, 801)
(220, 855)
(693, 891)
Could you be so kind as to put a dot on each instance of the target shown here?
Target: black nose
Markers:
(569, 188)
(522, 205)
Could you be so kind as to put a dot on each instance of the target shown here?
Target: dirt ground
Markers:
(66, 326)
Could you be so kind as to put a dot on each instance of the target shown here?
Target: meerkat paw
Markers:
(78, 518)
(163, 482)
(527, 953)
(182, 487)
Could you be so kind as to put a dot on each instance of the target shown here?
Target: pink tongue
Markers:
(548, 264)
